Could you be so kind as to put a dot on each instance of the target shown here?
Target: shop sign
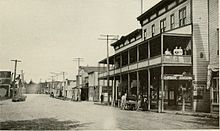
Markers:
(176, 77)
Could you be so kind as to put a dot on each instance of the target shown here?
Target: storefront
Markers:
(213, 85)
(5, 83)
(177, 92)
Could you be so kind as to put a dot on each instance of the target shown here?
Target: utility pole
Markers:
(52, 82)
(15, 68)
(78, 78)
(22, 79)
(141, 6)
(63, 73)
(78, 62)
(107, 38)
(64, 87)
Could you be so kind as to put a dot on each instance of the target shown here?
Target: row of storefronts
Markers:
(84, 88)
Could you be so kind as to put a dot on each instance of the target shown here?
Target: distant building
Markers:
(68, 90)
(5, 84)
(187, 30)
(87, 83)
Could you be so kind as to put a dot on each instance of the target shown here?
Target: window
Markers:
(182, 17)
(172, 21)
(145, 34)
(153, 29)
(162, 25)
(215, 90)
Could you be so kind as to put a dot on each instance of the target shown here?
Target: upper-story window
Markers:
(162, 25)
(145, 34)
(172, 21)
(153, 29)
(182, 17)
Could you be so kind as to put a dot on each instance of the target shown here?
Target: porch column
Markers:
(113, 91)
(120, 60)
(162, 72)
(137, 53)
(148, 91)
(120, 81)
(99, 82)
(128, 57)
(162, 89)
(116, 90)
(148, 47)
(129, 85)
(138, 85)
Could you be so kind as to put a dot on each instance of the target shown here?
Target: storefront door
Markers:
(172, 93)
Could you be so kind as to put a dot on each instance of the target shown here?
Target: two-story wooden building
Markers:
(166, 60)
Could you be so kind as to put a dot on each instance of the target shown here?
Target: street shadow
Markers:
(205, 122)
(41, 124)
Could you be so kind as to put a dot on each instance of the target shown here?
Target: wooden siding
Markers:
(174, 11)
(213, 33)
(200, 39)
(183, 30)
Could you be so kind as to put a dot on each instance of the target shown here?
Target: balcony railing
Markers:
(177, 59)
(165, 59)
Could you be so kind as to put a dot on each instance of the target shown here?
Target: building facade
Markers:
(5, 84)
(213, 68)
(166, 60)
(87, 83)
(68, 89)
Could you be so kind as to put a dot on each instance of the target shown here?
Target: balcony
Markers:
(169, 60)
(174, 59)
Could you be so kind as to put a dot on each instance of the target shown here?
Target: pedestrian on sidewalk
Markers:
(138, 102)
(102, 98)
(123, 101)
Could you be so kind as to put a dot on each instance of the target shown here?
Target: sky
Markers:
(46, 35)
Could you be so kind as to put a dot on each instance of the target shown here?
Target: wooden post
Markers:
(162, 89)
(148, 92)
(183, 97)
(129, 85)
(162, 72)
(138, 53)
(116, 90)
(119, 103)
(138, 85)
(113, 92)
